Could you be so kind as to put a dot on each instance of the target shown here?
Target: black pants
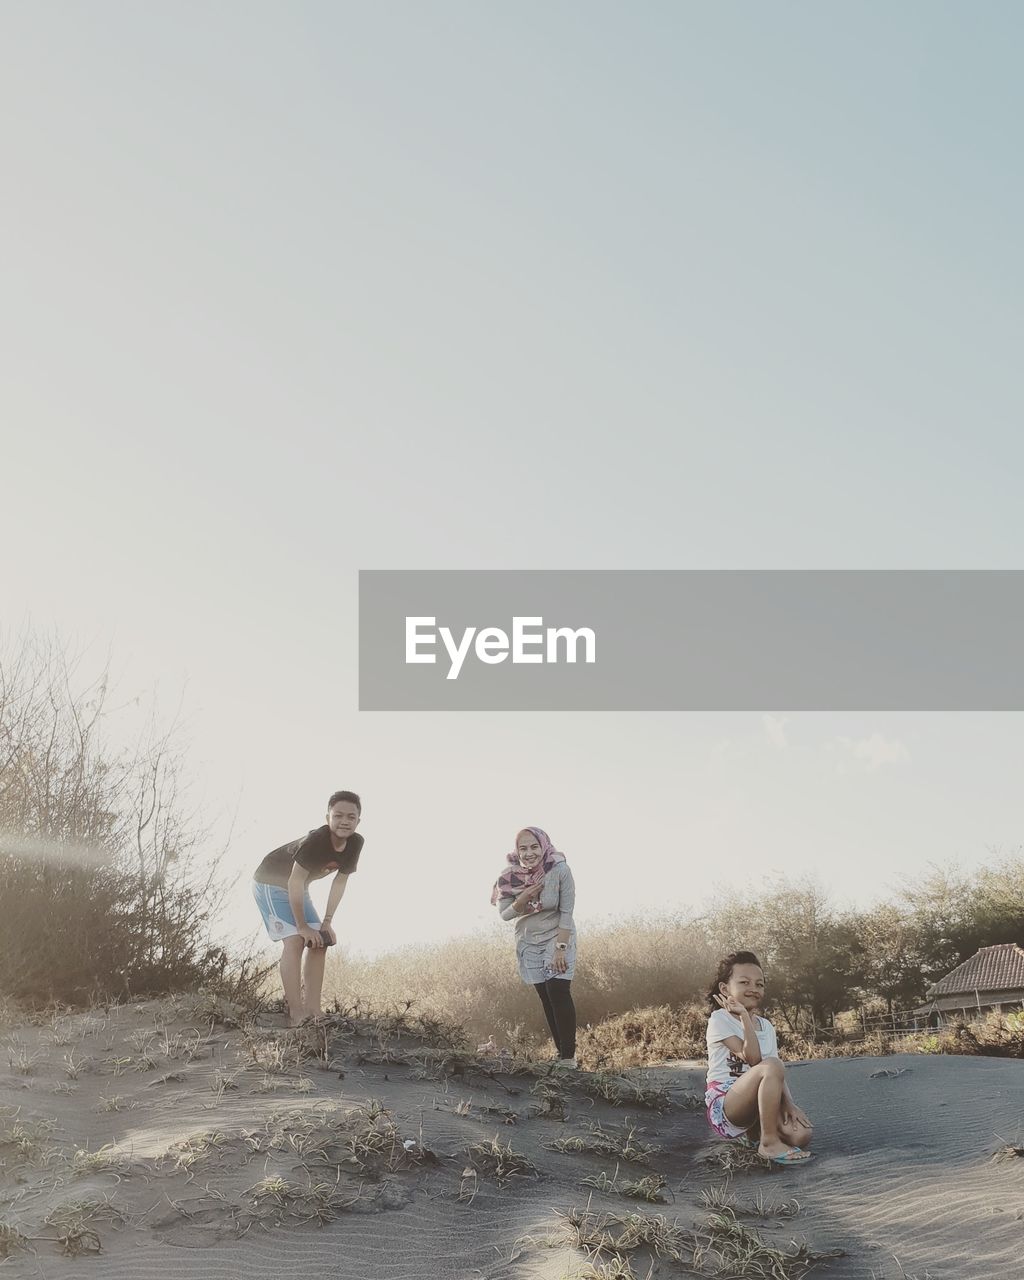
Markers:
(556, 997)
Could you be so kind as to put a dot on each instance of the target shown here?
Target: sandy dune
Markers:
(903, 1169)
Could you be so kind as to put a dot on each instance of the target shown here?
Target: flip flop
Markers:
(793, 1156)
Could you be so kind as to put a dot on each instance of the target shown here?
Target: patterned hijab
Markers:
(515, 878)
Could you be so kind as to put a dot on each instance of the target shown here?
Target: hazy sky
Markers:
(294, 290)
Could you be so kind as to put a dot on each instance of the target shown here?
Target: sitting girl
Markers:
(746, 1085)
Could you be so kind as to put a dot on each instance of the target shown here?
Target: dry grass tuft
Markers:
(278, 1053)
(635, 1091)
(27, 1142)
(736, 1157)
(365, 1140)
(20, 1060)
(720, 1246)
(650, 1188)
(270, 1084)
(551, 1099)
(617, 1267)
(612, 1233)
(497, 1160)
(620, 1142)
(186, 1154)
(107, 1159)
(11, 1240)
(725, 1247)
(73, 1223)
(116, 1102)
(274, 1201)
(723, 1199)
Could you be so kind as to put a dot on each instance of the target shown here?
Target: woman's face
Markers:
(529, 850)
(746, 984)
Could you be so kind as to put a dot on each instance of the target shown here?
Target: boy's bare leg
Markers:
(313, 980)
(291, 976)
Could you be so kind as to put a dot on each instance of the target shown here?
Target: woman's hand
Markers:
(530, 894)
(732, 1006)
(560, 963)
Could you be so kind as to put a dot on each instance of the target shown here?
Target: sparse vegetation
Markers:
(725, 1247)
(612, 1233)
(11, 1240)
(650, 1188)
(276, 1200)
(284, 1084)
(73, 1222)
(722, 1199)
(107, 1159)
(621, 1142)
(195, 1150)
(636, 1091)
(497, 1160)
(720, 1246)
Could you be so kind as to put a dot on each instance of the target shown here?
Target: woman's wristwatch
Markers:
(561, 946)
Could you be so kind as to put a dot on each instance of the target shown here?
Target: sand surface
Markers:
(903, 1176)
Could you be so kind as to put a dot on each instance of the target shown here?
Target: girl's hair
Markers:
(725, 968)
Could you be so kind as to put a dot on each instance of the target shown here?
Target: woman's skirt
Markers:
(536, 960)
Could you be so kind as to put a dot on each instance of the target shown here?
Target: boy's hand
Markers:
(329, 930)
(311, 937)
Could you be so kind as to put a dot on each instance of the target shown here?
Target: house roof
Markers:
(999, 968)
(966, 1002)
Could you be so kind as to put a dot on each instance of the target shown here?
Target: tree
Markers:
(810, 951)
(891, 954)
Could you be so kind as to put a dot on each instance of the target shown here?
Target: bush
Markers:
(473, 979)
(103, 889)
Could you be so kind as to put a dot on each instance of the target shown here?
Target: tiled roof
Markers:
(998, 968)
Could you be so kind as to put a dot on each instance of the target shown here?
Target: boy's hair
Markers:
(725, 968)
(350, 796)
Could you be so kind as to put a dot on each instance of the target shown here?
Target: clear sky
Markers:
(294, 290)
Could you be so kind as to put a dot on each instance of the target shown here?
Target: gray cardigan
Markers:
(557, 900)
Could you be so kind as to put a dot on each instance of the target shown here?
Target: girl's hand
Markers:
(560, 963)
(732, 1006)
(799, 1116)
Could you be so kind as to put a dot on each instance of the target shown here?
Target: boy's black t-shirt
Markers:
(314, 853)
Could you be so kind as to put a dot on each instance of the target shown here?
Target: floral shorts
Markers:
(714, 1102)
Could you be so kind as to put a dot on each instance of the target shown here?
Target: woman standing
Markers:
(536, 890)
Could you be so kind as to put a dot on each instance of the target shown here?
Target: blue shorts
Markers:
(276, 910)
